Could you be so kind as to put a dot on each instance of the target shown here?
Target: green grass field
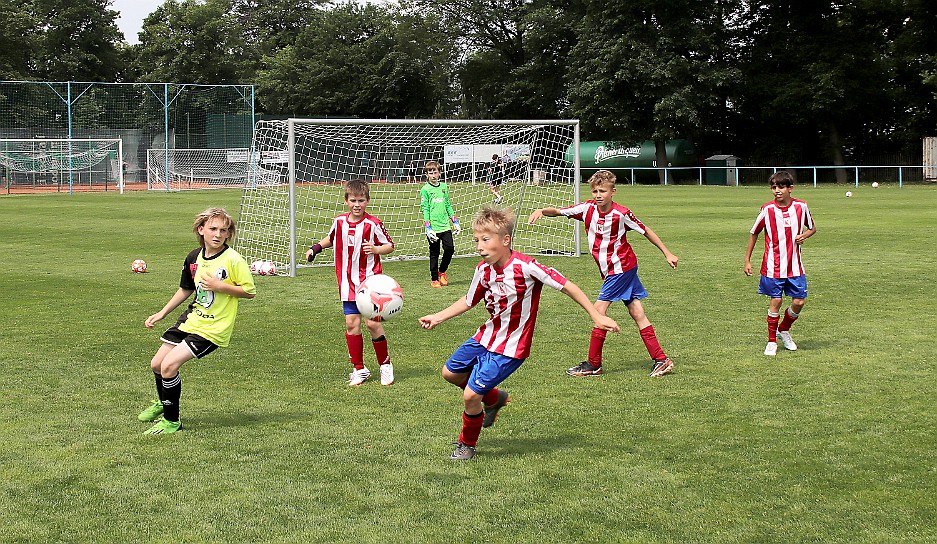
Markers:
(832, 443)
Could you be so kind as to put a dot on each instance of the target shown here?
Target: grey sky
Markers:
(132, 13)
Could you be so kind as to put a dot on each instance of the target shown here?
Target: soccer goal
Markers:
(43, 163)
(298, 167)
(183, 169)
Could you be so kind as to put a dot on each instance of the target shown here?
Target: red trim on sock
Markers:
(787, 321)
(490, 397)
(651, 343)
(595, 347)
(380, 350)
(773, 327)
(471, 428)
(355, 350)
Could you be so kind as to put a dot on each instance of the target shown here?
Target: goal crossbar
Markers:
(298, 166)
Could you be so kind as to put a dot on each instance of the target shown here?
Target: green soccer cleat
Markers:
(152, 413)
(164, 426)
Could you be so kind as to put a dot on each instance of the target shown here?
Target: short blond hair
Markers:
(600, 177)
(497, 220)
(207, 216)
(432, 163)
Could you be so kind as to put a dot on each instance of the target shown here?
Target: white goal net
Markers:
(299, 166)
(68, 161)
(183, 169)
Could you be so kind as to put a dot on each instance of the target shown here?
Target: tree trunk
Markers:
(836, 149)
(660, 153)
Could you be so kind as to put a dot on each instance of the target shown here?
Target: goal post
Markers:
(184, 169)
(40, 162)
(298, 167)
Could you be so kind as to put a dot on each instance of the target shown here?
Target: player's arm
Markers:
(543, 212)
(371, 249)
(317, 248)
(458, 307)
(752, 239)
(799, 239)
(655, 239)
(211, 283)
(177, 298)
(601, 321)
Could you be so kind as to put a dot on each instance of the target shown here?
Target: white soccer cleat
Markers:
(771, 349)
(387, 374)
(786, 339)
(358, 376)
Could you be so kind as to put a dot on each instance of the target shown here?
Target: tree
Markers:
(17, 40)
(358, 60)
(189, 42)
(817, 77)
(76, 40)
(513, 54)
(651, 69)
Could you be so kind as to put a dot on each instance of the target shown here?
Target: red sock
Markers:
(595, 347)
(380, 349)
(471, 428)
(490, 397)
(355, 350)
(773, 327)
(788, 320)
(651, 343)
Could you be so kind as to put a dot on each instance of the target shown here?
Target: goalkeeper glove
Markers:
(430, 235)
(316, 249)
(456, 228)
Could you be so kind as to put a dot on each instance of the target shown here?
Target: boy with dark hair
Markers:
(359, 239)
(786, 222)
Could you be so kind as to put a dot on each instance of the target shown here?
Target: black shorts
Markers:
(199, 346)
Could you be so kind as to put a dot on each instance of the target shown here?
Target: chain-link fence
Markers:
(142, 115)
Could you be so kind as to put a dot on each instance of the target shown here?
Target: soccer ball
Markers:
(848, 194)
(263, 268)
(379, 297)
(875, 185)
(138, 266)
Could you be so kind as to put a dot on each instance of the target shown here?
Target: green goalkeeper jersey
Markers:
(434, 199)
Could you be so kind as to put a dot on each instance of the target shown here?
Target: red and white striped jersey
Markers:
(352, 266)
(607, 235)
(781, 225)
(512, 297)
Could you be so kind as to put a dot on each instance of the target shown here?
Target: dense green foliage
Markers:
(775, 81)
(833, 443)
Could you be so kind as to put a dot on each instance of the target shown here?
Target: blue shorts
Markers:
(625, 287)
(350, 307)
(488, 369)
(776, 287)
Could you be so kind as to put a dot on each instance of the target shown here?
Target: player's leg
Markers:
(661, 364)
(592, 366)
(448, 249)
(155, 410)
(434, 262)
(172, 383)
(379, 340)
(773, 288)
(796, 288)
(355, 343)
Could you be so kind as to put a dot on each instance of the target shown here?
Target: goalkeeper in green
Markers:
(437, 215)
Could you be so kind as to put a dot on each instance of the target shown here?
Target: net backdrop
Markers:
(298, 167)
